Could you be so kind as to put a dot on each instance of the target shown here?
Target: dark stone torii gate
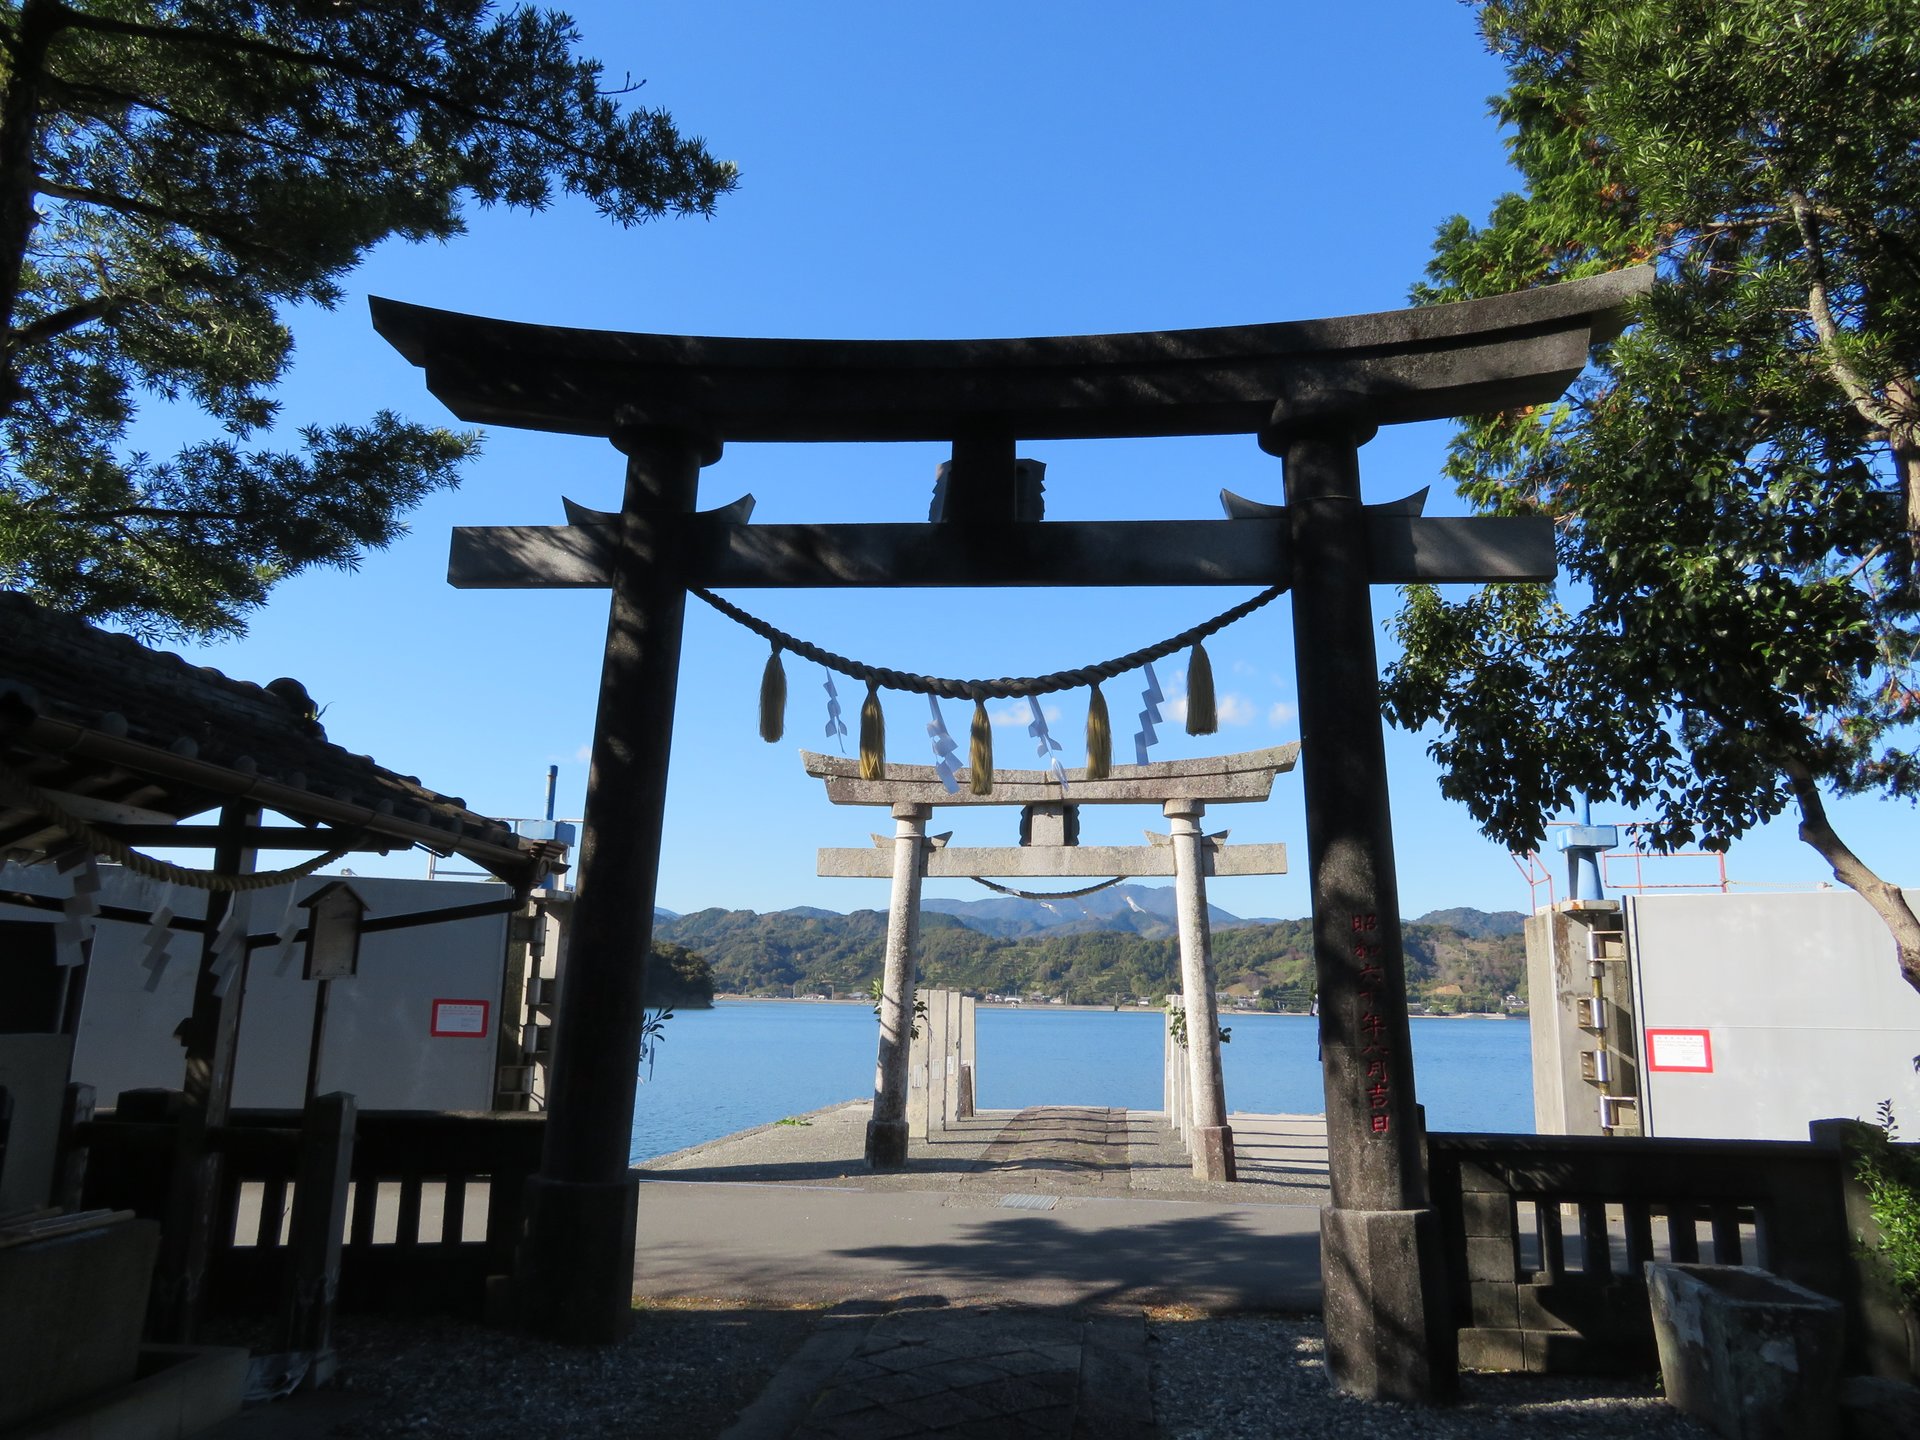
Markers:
(1312, 392)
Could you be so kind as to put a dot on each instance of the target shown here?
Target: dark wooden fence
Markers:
(433, 1207)
(1546, 1236)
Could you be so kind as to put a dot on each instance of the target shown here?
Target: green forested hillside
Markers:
(815, 951)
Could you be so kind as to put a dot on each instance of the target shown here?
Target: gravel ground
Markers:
(689, 1368)
(687, 1372)
(1257, 1376)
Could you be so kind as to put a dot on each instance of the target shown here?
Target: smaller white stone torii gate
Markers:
(1050, 850)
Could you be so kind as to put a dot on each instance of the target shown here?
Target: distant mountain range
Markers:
(1121, 941)
(1148, 910)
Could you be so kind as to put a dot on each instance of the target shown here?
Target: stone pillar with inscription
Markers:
(574, 1268)
(1389, 1334)
(887, 1130)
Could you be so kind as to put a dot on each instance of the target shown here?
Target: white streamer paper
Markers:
(77, 911)
(1046, 745)
(1149, 717)
(946, 754)
(291, 920)
(836, 727)
(229, 946)
(157, 939)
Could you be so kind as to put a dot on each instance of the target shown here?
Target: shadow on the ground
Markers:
(1217, 1261)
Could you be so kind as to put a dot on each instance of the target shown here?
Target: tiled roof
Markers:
(89, 713)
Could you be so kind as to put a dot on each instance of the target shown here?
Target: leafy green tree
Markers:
(1737, 478)
(174, 176)
(677, 978)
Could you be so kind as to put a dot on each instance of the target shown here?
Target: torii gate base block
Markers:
(1383, 1299)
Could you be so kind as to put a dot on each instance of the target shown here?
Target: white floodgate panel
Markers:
(1760, 1013)
(1739, 1017)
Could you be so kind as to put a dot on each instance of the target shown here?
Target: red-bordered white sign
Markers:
(1684, 1050)
(460, 1019)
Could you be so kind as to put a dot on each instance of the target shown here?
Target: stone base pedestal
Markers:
(1212, 1150)
(573, 1273)
(1389, 1333)
(886, 1144)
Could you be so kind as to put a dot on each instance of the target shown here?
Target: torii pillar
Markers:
(887, 1130)
(1389, 1330)
(574, 1268)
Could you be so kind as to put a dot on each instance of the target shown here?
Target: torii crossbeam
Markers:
(1312, 392)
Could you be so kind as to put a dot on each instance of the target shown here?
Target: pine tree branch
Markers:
(118, 514)
(1819, 308)
(187, 219)
(59, 322)
(426, 95)
(75, 93)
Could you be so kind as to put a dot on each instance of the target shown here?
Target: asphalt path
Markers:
(1062, 1207)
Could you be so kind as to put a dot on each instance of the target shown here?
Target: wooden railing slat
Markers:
(1639, 1237)
(407, 1226)
(366, 1202)
(1596, 1243)
(453, 1210)
(1726, 1235)
(273, 1210)
(1683, 1240)
(1553, 1256)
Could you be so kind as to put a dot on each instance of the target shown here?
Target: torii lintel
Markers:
(1397, 366)
(1214, 780)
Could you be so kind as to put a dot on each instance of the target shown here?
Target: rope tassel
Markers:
(1202, 716)
(773, 699)
(873, 735)
(1099, 737)
(980, 752)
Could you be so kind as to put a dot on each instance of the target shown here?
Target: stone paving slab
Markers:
(960, 1372)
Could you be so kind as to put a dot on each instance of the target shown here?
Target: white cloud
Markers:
(583, 754)
(1019, 714)
(1229, 709)
(1281, 713)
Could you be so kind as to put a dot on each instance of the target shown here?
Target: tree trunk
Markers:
(40, 21)
(1887, 900)
(1903, 439)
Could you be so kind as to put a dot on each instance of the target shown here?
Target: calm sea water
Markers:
(747, 1063)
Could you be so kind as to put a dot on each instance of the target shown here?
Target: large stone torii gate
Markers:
(1050, 848)
(1312, 392)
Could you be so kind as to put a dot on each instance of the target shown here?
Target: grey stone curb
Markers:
(778, 1411)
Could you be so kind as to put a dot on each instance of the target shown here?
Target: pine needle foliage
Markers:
(175, 177)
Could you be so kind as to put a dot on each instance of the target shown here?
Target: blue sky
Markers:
(908, 171)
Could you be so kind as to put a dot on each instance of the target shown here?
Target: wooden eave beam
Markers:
(511, 863)
(265, 837)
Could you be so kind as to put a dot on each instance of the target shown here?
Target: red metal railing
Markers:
(1632, 852)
